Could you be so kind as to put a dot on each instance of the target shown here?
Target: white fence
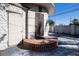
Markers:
(66, 29)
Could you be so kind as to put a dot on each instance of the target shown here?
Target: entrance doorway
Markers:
(39, 24)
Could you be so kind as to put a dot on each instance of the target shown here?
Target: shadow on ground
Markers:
(60, 51)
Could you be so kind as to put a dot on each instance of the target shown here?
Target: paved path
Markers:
(67, 47)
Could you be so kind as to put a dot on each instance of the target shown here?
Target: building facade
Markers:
(20, 21)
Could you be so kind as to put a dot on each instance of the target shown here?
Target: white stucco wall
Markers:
(3, 28)
(31, 24)
(12, 26)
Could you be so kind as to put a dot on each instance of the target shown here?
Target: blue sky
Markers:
(65, 12)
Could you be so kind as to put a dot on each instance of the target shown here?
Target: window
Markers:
(40, 9)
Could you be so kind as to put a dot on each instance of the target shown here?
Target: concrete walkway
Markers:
(68, 46)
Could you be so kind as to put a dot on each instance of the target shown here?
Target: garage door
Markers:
(15, 28)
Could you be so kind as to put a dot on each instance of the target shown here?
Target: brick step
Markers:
(40, 44)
